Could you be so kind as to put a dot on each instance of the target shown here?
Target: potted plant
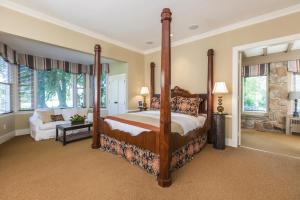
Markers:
(77, 119)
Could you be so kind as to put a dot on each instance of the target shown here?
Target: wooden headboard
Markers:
(207, 105)
(177, 91)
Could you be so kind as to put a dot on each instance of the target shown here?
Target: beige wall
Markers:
(22, 120)
(7, 124)
(118, 68)
(189, 61)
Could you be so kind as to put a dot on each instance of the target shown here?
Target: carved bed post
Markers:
(210, 54)
(164, 178)
(96, 109)
(152, 79)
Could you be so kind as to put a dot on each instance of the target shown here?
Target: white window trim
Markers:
(12, 84)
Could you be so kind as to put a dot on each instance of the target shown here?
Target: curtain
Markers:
(8, 54)
(294, 66)
(47, 64)
(255, 70)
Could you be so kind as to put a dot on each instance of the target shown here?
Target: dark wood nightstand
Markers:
(143, 108)
(218, 128)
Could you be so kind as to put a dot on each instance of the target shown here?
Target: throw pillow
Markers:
(173, 104)
(45, 116)
(57, 118)
(188, 106)
(155, 103)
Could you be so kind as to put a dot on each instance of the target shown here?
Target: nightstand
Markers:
(218, 130)
(143, 108)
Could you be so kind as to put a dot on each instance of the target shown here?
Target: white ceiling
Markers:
(27, 46)
(132, 23)
(272, 49)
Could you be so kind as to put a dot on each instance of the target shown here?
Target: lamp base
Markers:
(220, 109)
(295, 114)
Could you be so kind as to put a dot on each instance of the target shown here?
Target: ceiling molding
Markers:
(242, 24)
(36, 14)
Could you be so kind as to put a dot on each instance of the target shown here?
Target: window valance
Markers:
(255, 70)
(294, 66)
(47, 64)
(8, 53)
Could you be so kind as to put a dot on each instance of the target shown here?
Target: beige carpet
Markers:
(273, 142)
(46, 170)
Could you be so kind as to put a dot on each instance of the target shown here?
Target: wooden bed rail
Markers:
(96, 110)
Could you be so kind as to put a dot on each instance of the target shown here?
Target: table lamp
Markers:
(295, 96)
(144, 93)
(220, 88)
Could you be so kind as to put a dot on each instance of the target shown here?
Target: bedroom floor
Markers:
(47, 170)
(275, 142)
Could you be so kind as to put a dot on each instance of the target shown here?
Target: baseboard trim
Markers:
(230, 142)
(20, 132)
(12, 134)
(7, 136)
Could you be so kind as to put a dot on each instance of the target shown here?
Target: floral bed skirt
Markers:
(148, 160)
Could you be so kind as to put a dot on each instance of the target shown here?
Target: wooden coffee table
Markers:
(64, 138)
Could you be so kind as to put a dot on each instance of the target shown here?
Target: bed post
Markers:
(210, 54)
(96, 109)
(152, 80)
(164, 178)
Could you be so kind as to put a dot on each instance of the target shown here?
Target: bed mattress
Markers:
(136, 123)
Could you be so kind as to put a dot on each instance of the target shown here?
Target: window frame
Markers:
(75, 90)
(33, 74)
(293, 88)
(11, 85)
(261, 113)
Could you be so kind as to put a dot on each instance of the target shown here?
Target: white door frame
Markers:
(126, 92)
(236, 81)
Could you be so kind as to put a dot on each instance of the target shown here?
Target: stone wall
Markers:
(278, 101)
(278, 94)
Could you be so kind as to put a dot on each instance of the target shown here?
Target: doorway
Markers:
(117, 94)
(263, 105)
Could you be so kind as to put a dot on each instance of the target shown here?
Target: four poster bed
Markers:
(152, 139)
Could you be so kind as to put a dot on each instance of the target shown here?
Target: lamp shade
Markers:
(220, 88)
(144, 91)
(294, 95)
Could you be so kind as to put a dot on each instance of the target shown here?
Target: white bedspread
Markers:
(187, 122)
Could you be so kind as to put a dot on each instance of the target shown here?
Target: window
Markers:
(296, 87)
(255, 94)
(296, 82)
(92, 90)
(26, 94)
(80, 90)
(5, 87)
(103, 90)
(54, 89)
